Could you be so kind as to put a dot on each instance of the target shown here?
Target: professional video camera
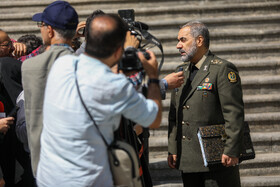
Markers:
(130, 60)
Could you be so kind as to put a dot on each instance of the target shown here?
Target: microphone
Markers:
(180, 69)
(2, 110)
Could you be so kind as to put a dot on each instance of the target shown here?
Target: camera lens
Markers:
(81, 31)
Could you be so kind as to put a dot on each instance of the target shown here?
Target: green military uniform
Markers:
(214, 97)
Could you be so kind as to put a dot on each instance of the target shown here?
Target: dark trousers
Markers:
(228, 177)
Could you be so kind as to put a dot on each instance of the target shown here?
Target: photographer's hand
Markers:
(151, 68)
(174, 80)
(151, 65)
(80, 27)
(131, 40)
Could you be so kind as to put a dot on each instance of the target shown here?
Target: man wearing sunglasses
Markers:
(57, 23)
(8, 48)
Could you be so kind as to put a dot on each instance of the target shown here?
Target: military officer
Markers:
(210, 95)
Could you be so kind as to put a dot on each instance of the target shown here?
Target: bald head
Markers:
(103, 24)
(6, 46)
(3, 36)
(106, 34)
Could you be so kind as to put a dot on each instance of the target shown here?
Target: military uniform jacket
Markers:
(34, 78)
(213, 97)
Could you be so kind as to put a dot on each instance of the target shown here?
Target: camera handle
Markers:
(151, 39)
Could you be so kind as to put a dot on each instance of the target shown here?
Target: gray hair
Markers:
(65, 33)
(198, 28)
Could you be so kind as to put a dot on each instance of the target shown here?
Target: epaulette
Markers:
(216, 61)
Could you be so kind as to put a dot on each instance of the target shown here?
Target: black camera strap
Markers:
(85, 107)
(151, 39)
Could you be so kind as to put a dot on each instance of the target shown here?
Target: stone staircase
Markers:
(245, 32)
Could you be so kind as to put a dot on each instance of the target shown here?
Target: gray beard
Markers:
(190, 54)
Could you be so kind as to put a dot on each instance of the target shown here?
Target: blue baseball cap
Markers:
(59, 14)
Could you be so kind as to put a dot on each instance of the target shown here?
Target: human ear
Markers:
(199, 41)
(50, 31)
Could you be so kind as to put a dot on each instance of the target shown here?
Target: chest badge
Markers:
(205, 68)
(207, 79)
(232, 77)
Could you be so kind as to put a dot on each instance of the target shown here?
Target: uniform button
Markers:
(186, 107)
(183, 122)
(184, 137)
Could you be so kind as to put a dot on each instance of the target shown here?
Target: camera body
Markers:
(130, 60)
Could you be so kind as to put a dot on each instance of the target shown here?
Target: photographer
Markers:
(72, 151)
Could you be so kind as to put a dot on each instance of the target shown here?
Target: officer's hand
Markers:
(5, 124)
(20, 49)
(229, 161)
(172, 161)
(174, 80)
(131, 40)
(150, 65)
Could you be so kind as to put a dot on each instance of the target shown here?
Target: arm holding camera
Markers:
(150, 67)
(80, 30)
(131, 40)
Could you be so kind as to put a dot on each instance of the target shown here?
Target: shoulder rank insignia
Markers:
(232, 77)
(216, 61)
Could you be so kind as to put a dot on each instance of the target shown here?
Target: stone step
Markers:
(225, 35)
(264, 164)
(253, 103)
(166, 7)
(9, 23)
(247, 21)
(264, 66)
(256, 84)
(259, 122)
(248, 181)
(267, 84)
(264, 142)
(233, 50)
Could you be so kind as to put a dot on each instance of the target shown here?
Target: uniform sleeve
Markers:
(172, 128)
(230, 95)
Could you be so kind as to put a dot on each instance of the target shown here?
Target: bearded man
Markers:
(210, 95)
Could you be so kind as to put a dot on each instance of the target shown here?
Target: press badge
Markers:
(205, 86)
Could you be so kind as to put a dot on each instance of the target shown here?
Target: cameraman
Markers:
(72, 151)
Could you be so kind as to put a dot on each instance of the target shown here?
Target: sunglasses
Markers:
(41, 24)
(9, 44)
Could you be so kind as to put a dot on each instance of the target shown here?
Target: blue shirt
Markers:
(72, 152)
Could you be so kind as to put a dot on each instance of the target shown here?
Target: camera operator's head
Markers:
(106, 38)
(90, 18)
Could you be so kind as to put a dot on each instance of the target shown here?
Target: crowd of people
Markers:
(45, 128)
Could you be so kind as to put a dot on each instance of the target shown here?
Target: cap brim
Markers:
(37, 17)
